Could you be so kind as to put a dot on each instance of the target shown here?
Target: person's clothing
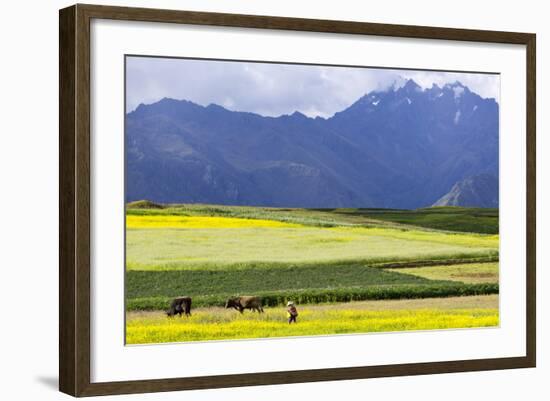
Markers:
(292, 314)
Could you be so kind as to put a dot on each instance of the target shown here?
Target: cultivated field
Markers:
(337, 257)
(355, 317)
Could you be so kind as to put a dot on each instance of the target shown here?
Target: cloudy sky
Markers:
(275, 89)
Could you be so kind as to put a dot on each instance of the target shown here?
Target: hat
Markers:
(290, 303)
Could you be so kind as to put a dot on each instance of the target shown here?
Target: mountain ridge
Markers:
(434, 87)
(475, 191)
(398, 148)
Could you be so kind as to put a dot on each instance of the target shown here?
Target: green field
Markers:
(168, 248)
(309, 256)
(454, 219)
(444, 218)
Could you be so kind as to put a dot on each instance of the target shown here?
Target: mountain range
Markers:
(404, 147)
(479, 190)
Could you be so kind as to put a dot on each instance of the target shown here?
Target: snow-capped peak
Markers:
(458, 90)
(457, 87)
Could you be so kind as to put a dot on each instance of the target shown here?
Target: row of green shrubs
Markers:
(312, 296)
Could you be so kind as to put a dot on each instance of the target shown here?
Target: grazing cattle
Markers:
(179, 306)
(242, 303)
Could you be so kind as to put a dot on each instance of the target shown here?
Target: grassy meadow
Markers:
(329, 261)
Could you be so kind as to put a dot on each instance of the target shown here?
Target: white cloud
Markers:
(275, 89)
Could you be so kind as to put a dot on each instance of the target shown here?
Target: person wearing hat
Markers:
(291, 312)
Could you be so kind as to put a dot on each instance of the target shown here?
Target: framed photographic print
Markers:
(280, 200)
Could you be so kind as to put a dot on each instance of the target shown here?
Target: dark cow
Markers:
(242, 303)
(179, 306)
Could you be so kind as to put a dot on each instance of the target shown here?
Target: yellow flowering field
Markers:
(174, 221)
(354, 317)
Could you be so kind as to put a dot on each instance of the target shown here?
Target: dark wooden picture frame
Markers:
(74, 199)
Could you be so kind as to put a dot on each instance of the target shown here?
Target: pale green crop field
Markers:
(465, 273)
(162, 248)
